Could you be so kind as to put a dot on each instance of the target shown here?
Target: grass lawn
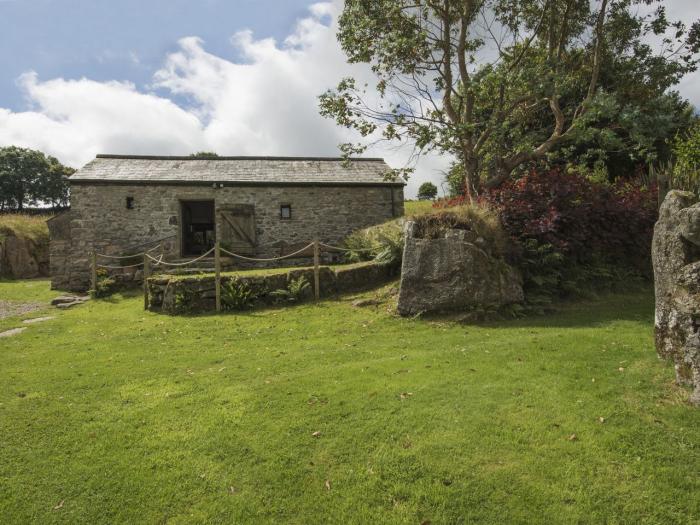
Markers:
(334, 414)
(415, 207)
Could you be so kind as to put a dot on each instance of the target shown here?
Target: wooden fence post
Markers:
(146, 275)
(317, 271)
(93, 270)
(217, 280)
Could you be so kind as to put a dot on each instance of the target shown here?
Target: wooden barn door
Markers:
(237, 228)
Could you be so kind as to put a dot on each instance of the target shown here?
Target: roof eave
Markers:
(161, 182)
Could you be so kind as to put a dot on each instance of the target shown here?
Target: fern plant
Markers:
(295, 291)
(236, 295)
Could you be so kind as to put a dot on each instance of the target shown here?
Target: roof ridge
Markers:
(242, 157)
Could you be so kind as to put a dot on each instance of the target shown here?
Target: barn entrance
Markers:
(198, 227)
(237, 228)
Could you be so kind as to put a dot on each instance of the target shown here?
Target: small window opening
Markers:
(129, 203)
(285, 211)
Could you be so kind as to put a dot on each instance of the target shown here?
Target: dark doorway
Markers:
(198, 227)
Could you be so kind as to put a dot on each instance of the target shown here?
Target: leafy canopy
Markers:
(502, 83)
(427, 191)
(28, 177)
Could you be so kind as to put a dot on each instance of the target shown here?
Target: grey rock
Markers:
(452, 273)
(22, 258)
(361, 303)
(38, 319)
(676, 260)
(692, 361)
(69, 299)
(13, 331)
(62, 299)
(65, 306)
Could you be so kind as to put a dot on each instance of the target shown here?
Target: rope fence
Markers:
(149, 262)
(288, 256)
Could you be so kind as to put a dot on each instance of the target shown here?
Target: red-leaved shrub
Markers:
(581, 219)
(570, 234)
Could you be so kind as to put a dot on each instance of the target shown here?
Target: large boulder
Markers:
(22, 258)
(453, 273)
(676, 259)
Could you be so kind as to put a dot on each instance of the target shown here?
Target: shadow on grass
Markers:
(634, 306)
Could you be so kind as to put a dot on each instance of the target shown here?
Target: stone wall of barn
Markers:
(100, 221)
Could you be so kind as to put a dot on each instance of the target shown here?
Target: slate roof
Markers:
(139, 169)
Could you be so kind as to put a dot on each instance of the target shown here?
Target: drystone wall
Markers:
(676, 259)
(177, 294)
(99, 219)
(453, 273)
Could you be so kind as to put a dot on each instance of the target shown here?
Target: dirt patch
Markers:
(12, 308)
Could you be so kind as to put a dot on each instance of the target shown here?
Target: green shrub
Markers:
(684, 173)
(296, 290)
(236, 295)
(382, 243)
(105, 285)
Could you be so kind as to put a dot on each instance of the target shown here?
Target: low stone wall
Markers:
(676, 258)
(176, 294)
(23, 258)
(453, 273)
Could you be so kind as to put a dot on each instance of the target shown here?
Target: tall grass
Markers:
(478, 218)
(32, 227)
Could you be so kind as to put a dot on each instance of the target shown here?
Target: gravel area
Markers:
(12, 308)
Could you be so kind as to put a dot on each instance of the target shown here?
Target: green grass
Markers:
(27, 291)
(416, 207)
(31, 227)
(128, 416)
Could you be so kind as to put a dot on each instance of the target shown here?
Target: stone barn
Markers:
(255, 206)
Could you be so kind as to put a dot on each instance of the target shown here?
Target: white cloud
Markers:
(75, 119)
(263, 104)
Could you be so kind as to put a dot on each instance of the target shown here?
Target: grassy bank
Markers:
(334, 414)
(31, 227)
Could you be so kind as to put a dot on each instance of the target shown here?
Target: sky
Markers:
(171, 77)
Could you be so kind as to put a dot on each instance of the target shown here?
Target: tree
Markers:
(28, 176)
(52, 184)
(684, 172)
(427, 191)
(543, 87)
(204, 155)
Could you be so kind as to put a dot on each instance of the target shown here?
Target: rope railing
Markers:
(122, 257)
(158, 260)
(108, 267)
(338, 248)
(288, 256)
(185, 263)
(149, 261)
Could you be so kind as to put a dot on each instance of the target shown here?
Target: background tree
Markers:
(500, 83)
(427, 191)
(204, 155)
(683, 172)
(28, 177)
